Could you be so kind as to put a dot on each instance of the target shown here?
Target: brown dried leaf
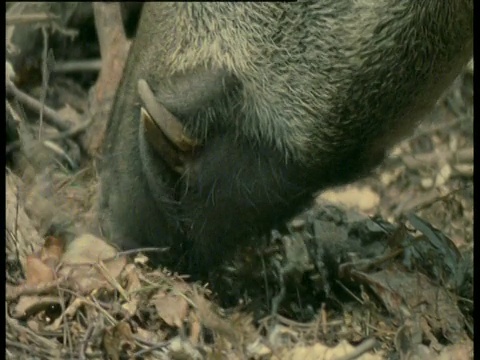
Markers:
(81, 263)
(181, 349)
(363, 199)
(400, 290)
(70, 115)
(258, 350)
(37, 272)
(150, 336)
(195, 328)
(31, 305)
(463, 350)
(87, 249)
(132, 277)
(118, 339)
(322, 352)
(133, 284)
(223, 327)
(52, 251)
(172, 308)
(280, 335)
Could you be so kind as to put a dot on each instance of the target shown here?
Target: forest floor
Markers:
(379, 269)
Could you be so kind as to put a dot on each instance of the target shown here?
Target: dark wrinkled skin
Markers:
(241, 182)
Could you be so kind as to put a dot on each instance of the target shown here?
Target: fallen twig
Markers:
(365, 346)
(74, 131)
(78, 66)
(51, 116)
(40, 18)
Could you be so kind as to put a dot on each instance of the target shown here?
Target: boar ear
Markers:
(186, 93)
(163, 131)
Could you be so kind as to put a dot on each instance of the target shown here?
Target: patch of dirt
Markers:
(379, 269)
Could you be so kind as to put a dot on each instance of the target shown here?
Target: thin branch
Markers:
(37, 19)
(78, 66)
(74, 131)
(51, 116)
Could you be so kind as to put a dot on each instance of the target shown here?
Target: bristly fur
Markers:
(294, 60)
(312, 94)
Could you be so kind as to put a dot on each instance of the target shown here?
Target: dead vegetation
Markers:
(380, 269)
